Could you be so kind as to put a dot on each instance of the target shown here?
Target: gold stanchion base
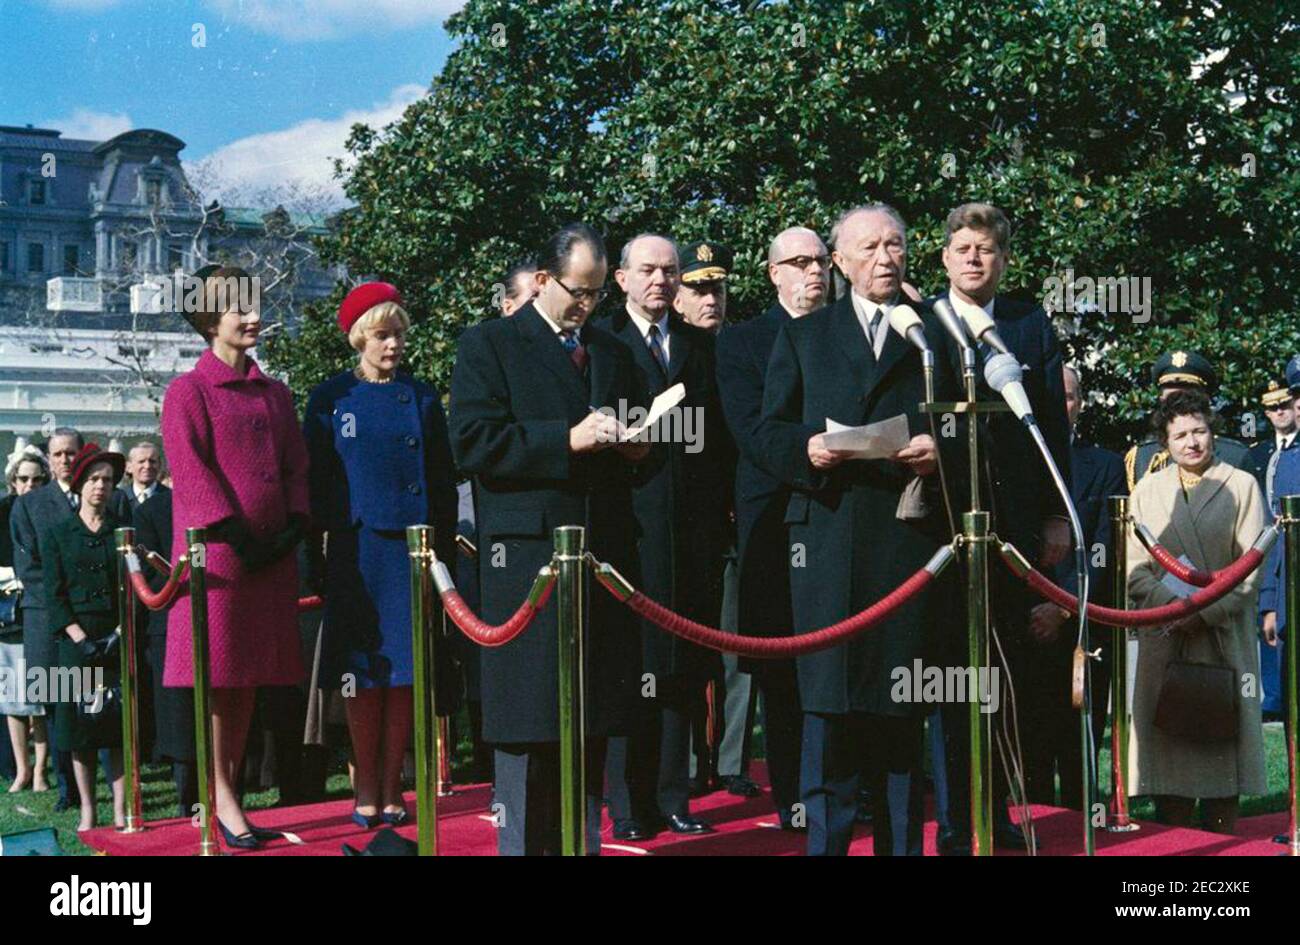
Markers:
(132, 826)
(445, 789)
(1123, 828)
(208, 849)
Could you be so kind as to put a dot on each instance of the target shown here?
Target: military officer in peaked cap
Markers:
(1279, 406)
(1182, 370)
(702, 296)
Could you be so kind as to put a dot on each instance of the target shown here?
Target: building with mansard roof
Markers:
(87, 231)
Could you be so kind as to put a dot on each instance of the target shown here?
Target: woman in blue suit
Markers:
(380, 461)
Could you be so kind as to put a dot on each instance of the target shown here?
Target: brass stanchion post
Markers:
(195, 539)
(419, 547)
(975, 539)
(128, 670)
(569, 557)
(1291, 530)
(445, 787)
(1119, 820)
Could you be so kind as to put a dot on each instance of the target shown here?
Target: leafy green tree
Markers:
(1124, 138)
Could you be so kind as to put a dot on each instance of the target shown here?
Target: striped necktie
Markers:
(656, 348)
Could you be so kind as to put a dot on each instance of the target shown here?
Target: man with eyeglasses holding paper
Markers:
(533, 405)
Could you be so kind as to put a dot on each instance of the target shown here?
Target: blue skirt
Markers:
(367, 629)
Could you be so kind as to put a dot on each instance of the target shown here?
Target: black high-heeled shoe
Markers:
(263, 835)
(244, 841)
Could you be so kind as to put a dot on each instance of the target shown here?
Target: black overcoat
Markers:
(760, 498)
(848, 548)
(681, 494)
(515, 394)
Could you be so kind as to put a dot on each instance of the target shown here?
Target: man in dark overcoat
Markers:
(681, 496)
(857, 529)
(533, 405)
(799, 268)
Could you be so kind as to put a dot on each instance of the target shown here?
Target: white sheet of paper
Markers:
(873, 441)
(1181, 588)
(661, 405)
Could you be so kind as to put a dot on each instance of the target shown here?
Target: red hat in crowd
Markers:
(88, 456)
(362, 299)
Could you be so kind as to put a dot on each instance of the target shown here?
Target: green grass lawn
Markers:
(27, 811)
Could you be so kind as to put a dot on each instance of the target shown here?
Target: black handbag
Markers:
(9, 608)
(105, 703)
(10, 626)
(1198, 701)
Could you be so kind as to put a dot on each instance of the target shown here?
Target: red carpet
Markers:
(745, 827)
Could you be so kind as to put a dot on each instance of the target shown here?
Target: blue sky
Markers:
(266, 99)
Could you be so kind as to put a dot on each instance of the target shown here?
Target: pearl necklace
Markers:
(360, 375)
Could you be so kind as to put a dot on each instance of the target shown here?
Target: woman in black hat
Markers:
(81, 600)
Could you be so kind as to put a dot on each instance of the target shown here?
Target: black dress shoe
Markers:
(1008, 836)
(741, 786)
(632, 829)
(701, 786)
(686, 824)
(952, 843)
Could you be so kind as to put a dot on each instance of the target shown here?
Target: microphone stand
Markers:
(1088, 756)
(975, 539)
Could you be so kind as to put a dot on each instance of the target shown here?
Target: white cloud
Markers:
(89, 125)
(298, 157)
(330, 19)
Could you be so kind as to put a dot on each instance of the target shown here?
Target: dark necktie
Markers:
(577, 351)
(656, 348)
(875, 327)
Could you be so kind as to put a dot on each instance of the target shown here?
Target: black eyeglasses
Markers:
(805, 262)
(595, 296)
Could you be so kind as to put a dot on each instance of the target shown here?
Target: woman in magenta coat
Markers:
(239, 467)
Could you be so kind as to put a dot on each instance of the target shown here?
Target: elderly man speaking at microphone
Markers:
(858, 528)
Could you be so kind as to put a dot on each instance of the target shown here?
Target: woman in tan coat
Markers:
(1210, 513)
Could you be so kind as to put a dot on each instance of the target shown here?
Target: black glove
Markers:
(98, 652)
(253, 554)
(285, 541)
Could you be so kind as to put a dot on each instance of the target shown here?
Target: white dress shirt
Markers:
(866, 310)
(643, 325)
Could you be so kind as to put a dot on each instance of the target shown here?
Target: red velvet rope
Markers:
(779, 647)
(151, 599)
(1185, 573)
(1224, 581)
(485, 634)
(169, 591)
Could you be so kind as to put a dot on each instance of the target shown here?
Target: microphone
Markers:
(1003, 374)
(981, 326)
(954, 326)
(904, 320)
